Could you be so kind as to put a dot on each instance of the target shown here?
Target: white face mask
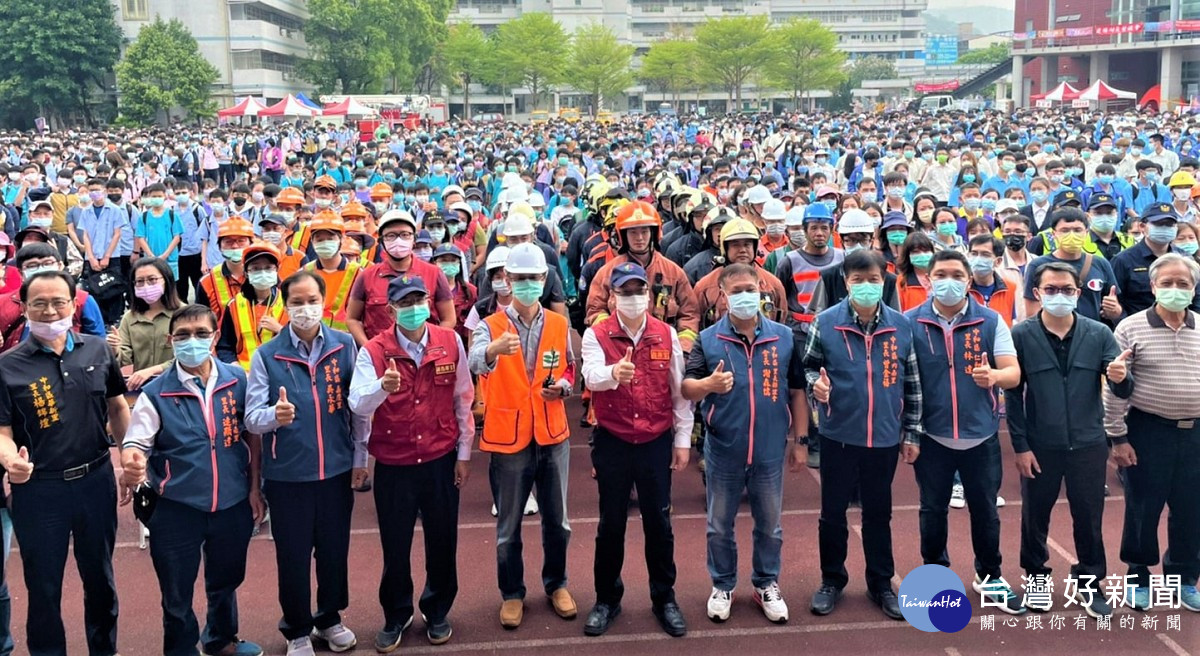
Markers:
(304, 317)
(632, 307)
(272, 237)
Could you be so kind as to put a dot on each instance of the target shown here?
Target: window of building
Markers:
(135, 9)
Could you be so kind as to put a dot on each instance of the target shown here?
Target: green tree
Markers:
(463, 56)
(728, 49)
(867, 68)
(414, 56)
(56, 55)
(806, 58)
(532, 50)
(350, 45)
(671, 66)
(993, 54)
(163, 69)
(599, 64)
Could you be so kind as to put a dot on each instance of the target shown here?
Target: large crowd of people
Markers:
(253, 315)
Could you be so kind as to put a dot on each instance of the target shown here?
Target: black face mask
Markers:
(1015, 242)
(239, 200)
(115, 198)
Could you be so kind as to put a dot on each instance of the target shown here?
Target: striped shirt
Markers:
(1164, 366)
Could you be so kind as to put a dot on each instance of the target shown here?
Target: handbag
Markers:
(145, 500)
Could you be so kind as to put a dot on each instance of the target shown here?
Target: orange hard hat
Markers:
(235, 227)
(356, 210)
(327, 220)
(638, 214)
(357, 228)
(325, 182)
(260, 248)
(381, 191)
(290, 196)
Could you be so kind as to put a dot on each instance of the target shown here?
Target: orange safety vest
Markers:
(300, 237)
(335, 306)
(221, 287)
(246, 325)
(516, 413)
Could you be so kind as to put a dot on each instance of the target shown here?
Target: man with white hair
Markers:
(1155, 433)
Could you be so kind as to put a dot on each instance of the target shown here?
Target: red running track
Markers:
(857, 627)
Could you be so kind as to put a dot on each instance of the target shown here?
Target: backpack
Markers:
(179, 169)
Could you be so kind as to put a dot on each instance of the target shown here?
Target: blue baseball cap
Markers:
(626, 272)
(403, 285)
(1159, 211)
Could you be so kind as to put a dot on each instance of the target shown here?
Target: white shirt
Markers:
(144, 422)
(598, 376)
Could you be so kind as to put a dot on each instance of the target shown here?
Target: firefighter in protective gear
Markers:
(739, 244)
(689, 238)
(637, 228)
(337, 270)
(710, 257)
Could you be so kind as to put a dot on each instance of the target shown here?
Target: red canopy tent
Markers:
(248, 107)
(1101, 91)
(348, 107)
(1061, 93)
(290, 106)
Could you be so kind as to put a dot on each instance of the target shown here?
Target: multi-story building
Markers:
(254, 44)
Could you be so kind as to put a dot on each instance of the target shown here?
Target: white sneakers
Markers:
(300, 647)
(772, 603)
(719, 603)
(957, 498)
(531, 507)
(337, 636)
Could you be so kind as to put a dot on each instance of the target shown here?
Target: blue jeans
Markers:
(763, 482)
(512, 476)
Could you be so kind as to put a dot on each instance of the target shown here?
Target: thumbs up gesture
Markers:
(391, 377)
(504, 344)
(133, 467)
(720, 381)
(285, 413)
(822, 387)
(623, 370)
(20, 469)
(983, 373)
(1118, 369)
(1110, 307)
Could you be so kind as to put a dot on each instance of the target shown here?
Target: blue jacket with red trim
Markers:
(866, 374)
(200, 461)
(954, 406)
(751, 422)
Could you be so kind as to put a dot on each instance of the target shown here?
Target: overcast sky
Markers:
(941, 4)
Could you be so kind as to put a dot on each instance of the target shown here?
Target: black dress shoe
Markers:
(600, 619)
(439, 632)
(825, 599)
(671, 619)
(887, 602)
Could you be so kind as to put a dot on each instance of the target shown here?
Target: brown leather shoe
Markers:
(563, 604)
(512, 611)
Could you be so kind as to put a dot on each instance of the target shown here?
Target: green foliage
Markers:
(463, 56)
(162, 69)
(671, 66)
(867, 68)
(731, 48)
(56, 55)
(806, 58)
(993, 54)
(599, 64)
(531, 50)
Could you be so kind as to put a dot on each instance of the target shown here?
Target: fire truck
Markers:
(411, 112)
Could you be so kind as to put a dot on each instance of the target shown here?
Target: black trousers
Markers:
(620, 466)
(48, 516)
(1083, 470)
(189, 275)
(311, 520)
(1167, 474)
(844, 468)
(182, 534)
(980, 469)
(401, 492)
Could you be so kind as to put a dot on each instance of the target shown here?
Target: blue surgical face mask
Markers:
(1105, 179)
(1059, 305)
(192, 352)
(744, 305)
(1162, 234)
(988, 204)
(1039, 195)
(968, 177)
(971, 204)
(948, 291)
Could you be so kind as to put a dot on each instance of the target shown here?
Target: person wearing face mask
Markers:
(199, 231)
(276, 233)
(33, 258)
(967, 354)
(324, 192)
(55, 445)
(1039, 209)
(219, 286)
(1103, 209)
(799, 270)
(103, 227)
(416, 477)
(296, 399)
(39, 229)
(450, 260)
(633, 361)
(141, 340)
(1099, 294)
(869, 417)
(1131, 267)
(912, 271)
(366, 311)
(739, 244)
(159, 230)
(257, 313)
(742, 457)
(947, 230)
(337, 271)
(168, 448)
(992, 286)
(524, 352)
(1181, 184)
(1147, 189)
(288, 204)
(1065, 360)
(793, 230)
(774, 216)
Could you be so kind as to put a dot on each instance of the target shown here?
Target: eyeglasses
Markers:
(147, 282)
(58, 304)
(393, 236)
(185, 336)
(1064, 291)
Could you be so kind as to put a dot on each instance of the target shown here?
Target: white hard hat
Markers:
(517, 224)
(525, 258)
(453, 189)
(1006, 204)
(391, 216)
(511, 180)
(514, 195)
(758, 194)
(497, 258)
(794, 216)
(855, 221)
(773, 210)
(460, 206)
(536, 200)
